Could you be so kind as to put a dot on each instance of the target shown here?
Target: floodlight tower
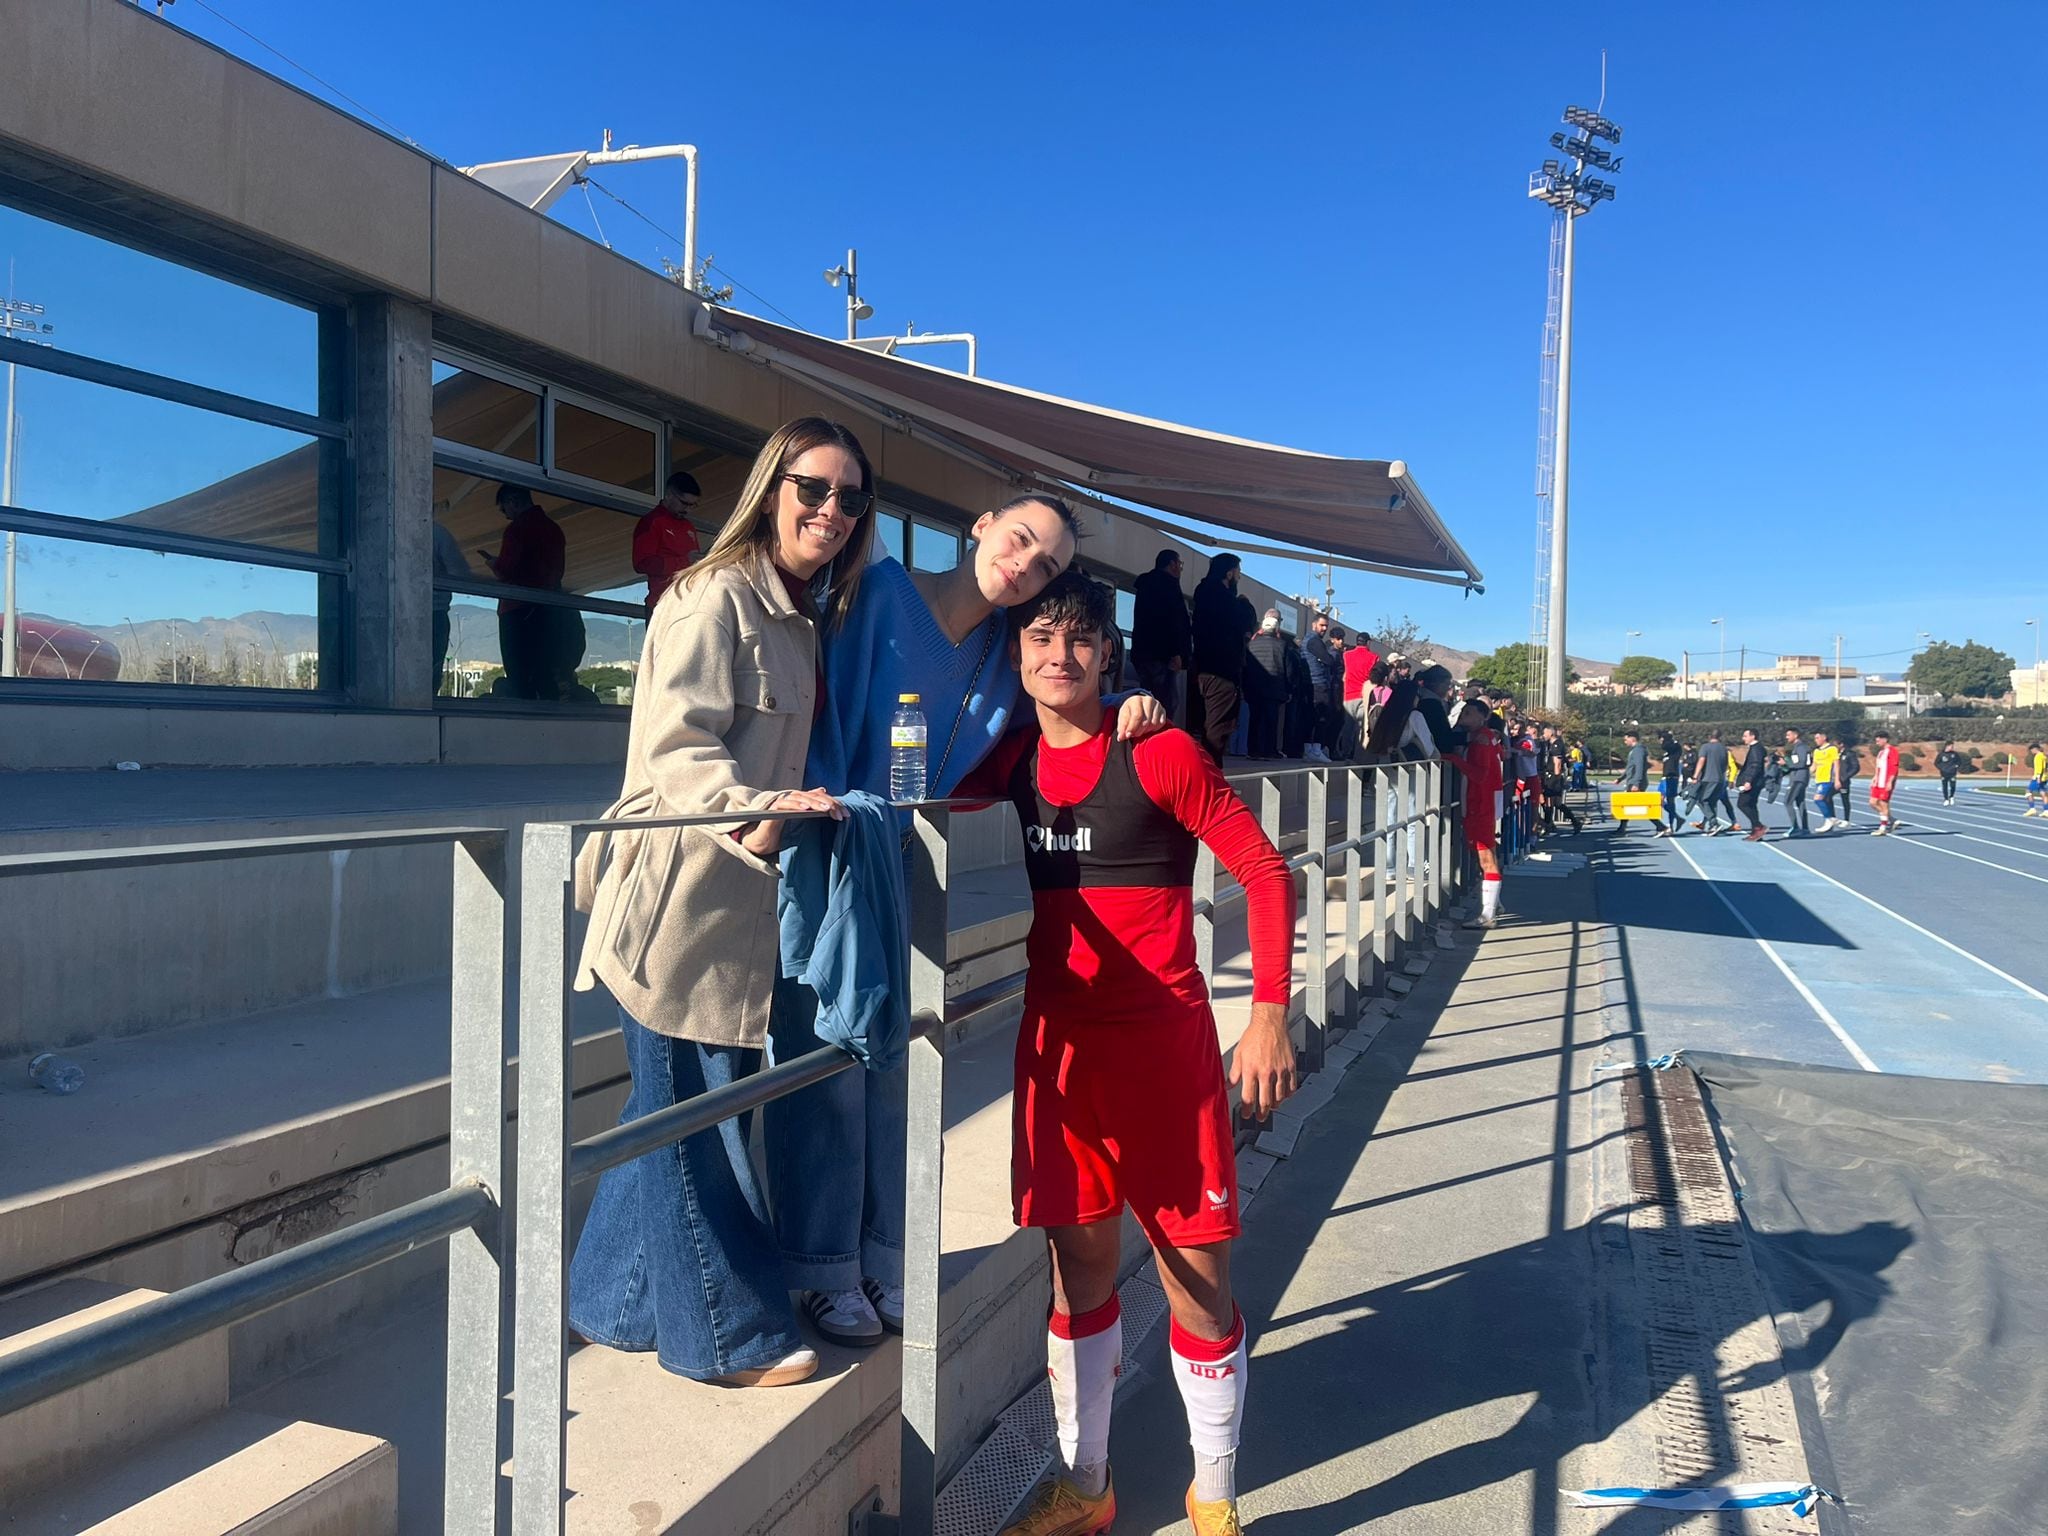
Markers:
(1571, 189)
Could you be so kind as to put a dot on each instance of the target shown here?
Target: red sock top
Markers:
(1087, 1324)
(1208, 1351)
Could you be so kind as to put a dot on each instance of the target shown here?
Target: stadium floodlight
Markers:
(1571, 191)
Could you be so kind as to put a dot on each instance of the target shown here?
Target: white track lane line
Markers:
(1953, 827)
(2005, 976)
(1990, 818)
(1954, 853)
(1855, 1051)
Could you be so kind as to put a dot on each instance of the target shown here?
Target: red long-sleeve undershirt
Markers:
(1086, 943)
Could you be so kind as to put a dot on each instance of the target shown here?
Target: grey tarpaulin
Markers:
(1901, 1227)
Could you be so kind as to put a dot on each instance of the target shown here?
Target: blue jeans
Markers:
(1670, 791)
(836, 1160)
(677, 1255)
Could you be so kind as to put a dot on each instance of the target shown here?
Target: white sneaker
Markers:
(844, 1317)
(797, 1365)
(1827, 825)
(887, 1301)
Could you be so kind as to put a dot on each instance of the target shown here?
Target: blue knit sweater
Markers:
(890, 644)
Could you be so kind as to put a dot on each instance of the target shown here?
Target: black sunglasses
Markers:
(814, 492)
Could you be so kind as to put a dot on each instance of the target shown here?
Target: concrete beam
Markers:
(391, 599)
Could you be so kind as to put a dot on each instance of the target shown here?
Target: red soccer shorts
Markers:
(1481, 833)
(1109, 1114)
(1880, 796)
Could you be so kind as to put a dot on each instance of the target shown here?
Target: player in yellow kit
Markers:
(2037, 781)
(1827, 759)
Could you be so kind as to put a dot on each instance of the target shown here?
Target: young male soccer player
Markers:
(1826, 755)
(1120, 1094)
(2037, 781)
(1884, 778)
(1480, 762)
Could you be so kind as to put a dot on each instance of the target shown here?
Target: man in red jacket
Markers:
(534, 554)
(1120, 1090)
(664, 543)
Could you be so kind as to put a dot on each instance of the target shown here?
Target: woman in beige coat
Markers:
(677, 1255)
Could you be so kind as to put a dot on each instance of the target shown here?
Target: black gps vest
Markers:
(1117, 835)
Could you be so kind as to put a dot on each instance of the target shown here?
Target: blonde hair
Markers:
(751, 528)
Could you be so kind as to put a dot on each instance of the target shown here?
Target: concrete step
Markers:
(236, 1474)
(76, 1433)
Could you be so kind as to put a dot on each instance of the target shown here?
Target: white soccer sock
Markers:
(1489, 897)
(1211, 1374)
(1084, 1356)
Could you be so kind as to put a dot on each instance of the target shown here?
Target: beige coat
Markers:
(682, 919)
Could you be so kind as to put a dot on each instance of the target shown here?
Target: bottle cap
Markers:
(907, 698)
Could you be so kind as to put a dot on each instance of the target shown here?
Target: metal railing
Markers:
(1407, 866)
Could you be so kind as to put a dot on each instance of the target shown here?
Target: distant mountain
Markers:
(280, 635)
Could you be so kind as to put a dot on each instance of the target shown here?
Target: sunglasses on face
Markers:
(813, 492)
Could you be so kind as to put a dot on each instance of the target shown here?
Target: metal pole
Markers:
(852, 295)
(1554, 658)
(1741, 671)
(922, 1237)
(541, 1271)
(476, 1153)
(1383, 860)
(1318, 903)
(10, 626)
(1356, 867)
(1838, 667)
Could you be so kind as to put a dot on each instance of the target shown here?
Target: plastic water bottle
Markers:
(56, 1074)
(906, 749)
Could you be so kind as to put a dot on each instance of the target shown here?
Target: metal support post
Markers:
(476, 1155)
(1418, 885)
(1317, 903)
(1357, 864)
(1269, 809)
(541, 1270)
(919, 1476)
(1440, 865)
(1205, 910)
(1386, 872)
(1404, 842)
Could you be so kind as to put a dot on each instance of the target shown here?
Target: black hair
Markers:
(1070, 600)
(514, 496)
(1058, 508)
(683, 483)
(1165, 558)
(1221, 566)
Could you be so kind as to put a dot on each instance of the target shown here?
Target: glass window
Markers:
(596, 552)
(1126, 612)
(888, 536)
(109, 301)
(85, 450)
(599, 447)
(98, 613)
(478, 411)
(933, 547)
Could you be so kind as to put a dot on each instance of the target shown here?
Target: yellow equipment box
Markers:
(1638, 805)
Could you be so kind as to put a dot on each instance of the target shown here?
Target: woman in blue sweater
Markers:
(836, 1151)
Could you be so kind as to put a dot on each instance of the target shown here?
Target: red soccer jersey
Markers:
(1104, 946)
(1480, 762)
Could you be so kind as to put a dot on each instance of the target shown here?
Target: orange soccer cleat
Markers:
(1061, 1509)
(1218, 1517)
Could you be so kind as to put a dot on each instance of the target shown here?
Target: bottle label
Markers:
(902, 737)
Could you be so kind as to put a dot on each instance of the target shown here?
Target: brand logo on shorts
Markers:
(1045, 840)
(1217, 1199)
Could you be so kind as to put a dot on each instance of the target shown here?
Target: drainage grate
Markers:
(1705, 1319)
(986, 1492)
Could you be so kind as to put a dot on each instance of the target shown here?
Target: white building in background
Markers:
(2030, 685)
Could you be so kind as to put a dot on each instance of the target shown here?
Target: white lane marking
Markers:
(1820, 1009)
(1948, 818)
(2005, 976)
(1956, 853)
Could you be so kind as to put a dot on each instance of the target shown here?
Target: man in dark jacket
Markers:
(1265, 685)
(1712, 777)
(1798, 778)
(1948, 762)
(1219, 637)
(1635, 777)
(1162, 637)
(1749, 784)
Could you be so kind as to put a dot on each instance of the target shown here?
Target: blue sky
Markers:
(1810, 389)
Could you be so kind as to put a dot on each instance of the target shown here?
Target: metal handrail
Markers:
(99, 1348)
(468, 1212)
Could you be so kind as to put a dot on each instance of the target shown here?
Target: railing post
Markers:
(541, 1271)
(1205, 913)
(476, 1154)
(1404, 843)
(1386, 866)
(1318, 904)
(1269, 808)
(1418, 844)
(918, 1477)
(1439, 867)
(1356, 865)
